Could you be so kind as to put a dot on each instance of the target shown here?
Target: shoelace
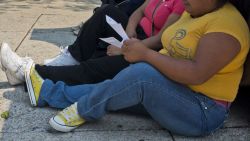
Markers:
(69, 113)
(20, 68)
(63, 50)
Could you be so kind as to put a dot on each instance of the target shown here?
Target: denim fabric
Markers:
(174, 106)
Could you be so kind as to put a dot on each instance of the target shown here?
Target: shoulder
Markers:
(228, 20)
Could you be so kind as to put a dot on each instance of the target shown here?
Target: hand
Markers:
(134, 50)
(131, 33)
(113, 50)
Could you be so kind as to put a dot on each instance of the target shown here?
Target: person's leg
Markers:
(94, 28)
(174, 106)
(88, 41)
(93, 70)
(90, 71)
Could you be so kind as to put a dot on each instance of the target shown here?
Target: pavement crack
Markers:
(29, 31)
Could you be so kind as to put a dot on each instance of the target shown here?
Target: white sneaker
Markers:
(12, 79)
(63, 59)
(67, 120)
(13, 65)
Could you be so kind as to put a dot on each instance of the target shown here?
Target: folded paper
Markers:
(118, 29)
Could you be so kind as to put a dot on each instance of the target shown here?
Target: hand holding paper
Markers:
(112, 41)
(118, 29)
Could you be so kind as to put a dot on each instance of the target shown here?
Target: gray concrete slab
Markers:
(49, 33)
(40, 26)
(17, 22)
(227, 134)
(239, 117)
(12, 38)
(90, 136)
(41, 46)
(25, 120)
(62, 20)
(17, 102)
(47, 6)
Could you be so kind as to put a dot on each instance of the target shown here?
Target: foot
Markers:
(67, 120)
(13, 65)
(63, 59)
(34, 83)
(12, 79)
(113, 50)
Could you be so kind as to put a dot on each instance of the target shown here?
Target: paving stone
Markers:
(41, 46)
(228, 134)
(12, 38)
(47, 25)
(16, 22)
(90, 135)
(238, 117)
(62, 20)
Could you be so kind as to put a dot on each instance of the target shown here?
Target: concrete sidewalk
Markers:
(36, 28)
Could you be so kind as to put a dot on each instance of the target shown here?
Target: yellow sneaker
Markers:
(67, 120)
(34, 83)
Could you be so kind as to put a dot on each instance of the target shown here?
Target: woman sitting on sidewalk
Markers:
(85, 62)
(187, 87)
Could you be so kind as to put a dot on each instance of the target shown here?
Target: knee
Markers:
(147, 72)
(142, 70)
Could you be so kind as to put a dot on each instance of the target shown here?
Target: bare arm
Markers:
(134, 19)
(154, 42)
(209, 59)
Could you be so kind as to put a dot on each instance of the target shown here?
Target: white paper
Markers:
(118, 29)
(112, 41)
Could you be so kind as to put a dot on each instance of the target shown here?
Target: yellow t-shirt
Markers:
(180, 41)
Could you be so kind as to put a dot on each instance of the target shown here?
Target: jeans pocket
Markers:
(214, 115)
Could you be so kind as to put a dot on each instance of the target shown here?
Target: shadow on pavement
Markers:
(56, 36)
(5, 85)
(243, 100)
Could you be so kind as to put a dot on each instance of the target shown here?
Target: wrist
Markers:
(147, 54)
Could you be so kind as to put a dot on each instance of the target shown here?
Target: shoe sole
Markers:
(29, 85)
(59, 127)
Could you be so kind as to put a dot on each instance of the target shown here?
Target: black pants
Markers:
(95, 65)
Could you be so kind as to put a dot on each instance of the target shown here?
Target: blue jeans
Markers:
(174, 106)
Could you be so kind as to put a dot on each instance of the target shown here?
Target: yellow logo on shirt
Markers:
(175, 49)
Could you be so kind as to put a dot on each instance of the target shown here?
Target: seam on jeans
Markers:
(206, 130)
(203, 119)
(183, 100)
(225, 116)
(119, 91)
(198, 104)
